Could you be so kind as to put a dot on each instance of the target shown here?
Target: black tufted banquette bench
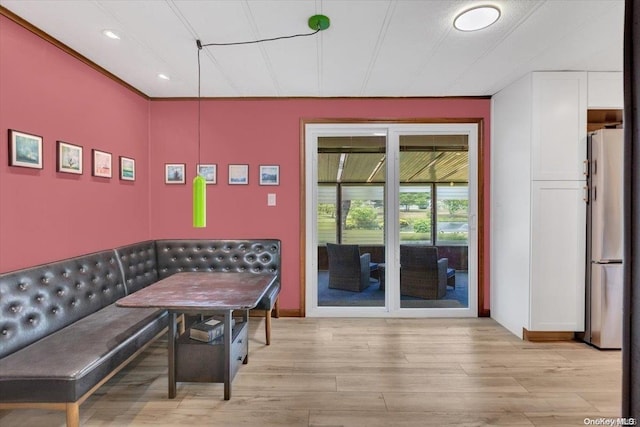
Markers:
(61, 334)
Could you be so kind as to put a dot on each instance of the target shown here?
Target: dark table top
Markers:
(202, 291)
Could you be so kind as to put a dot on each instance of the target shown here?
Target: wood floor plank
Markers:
(473, 402)
(415, 419)
(367, 372)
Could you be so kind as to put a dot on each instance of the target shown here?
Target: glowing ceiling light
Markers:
(476, 18)
(111, 34)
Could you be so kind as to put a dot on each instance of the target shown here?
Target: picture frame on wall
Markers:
(127, 169)
(208, 172)
(68, 158)
(101, 165)
(25, 150)
(269, 175)
(174, 173)
(238, 174)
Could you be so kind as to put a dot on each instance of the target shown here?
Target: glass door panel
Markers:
(433, 221)
(350, 220)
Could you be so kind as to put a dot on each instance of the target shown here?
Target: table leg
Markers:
(245, 319)
(228, 336)
(171, 351)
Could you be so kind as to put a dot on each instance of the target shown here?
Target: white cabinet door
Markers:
(559, 125)
(557, 285)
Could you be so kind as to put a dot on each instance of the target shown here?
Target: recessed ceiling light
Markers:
(163, 76)
(111, 34)
(476, 18)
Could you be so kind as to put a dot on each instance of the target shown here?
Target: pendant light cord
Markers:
(319, 22)
(199, 100)
(261, 40)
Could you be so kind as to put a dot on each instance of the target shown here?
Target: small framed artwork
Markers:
(238, 174)
(25, 150)
(127, 169)
(269, 175)
(208, 172)
(174, 173)
(102, 164)
(68, 158)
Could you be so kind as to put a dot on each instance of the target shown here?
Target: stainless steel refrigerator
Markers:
(603, 323)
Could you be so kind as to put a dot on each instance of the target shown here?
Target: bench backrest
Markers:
(139, 265)
(38, 301)
(254, 256)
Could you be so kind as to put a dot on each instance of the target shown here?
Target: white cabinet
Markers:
(538, 216)
(558, 215)
(559, 128)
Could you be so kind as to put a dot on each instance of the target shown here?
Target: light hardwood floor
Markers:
(368, 372)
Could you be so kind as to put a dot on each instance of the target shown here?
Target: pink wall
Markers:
(258, 132)
(45, 215)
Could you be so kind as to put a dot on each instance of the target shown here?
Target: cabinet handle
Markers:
(585, 167)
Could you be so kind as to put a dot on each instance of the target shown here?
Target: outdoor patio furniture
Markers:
(348, 269)
(422, 274)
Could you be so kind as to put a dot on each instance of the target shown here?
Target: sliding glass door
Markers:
(390, 219)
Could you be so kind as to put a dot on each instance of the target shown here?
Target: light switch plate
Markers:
(271, 199)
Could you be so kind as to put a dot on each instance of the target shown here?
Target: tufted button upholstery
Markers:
(38, 301)
(139, 265)
(255, 256)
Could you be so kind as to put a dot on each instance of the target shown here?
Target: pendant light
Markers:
(317, 23)
(199, 183)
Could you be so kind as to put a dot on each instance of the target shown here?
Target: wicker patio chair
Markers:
(422, 274)
(348, 269)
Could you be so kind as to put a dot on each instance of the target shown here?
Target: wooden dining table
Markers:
(203, 293)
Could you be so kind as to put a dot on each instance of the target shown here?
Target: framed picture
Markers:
(101, 164)
(25, 150)
(269, 175)
(208, 172)
(127, 169)
(68, 158)
(174, 173)
(238, 174)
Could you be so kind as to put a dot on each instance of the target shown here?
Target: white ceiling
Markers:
(372, 48)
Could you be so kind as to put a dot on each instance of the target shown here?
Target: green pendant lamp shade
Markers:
(199, 202)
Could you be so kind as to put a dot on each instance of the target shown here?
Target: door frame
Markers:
(481, 248)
